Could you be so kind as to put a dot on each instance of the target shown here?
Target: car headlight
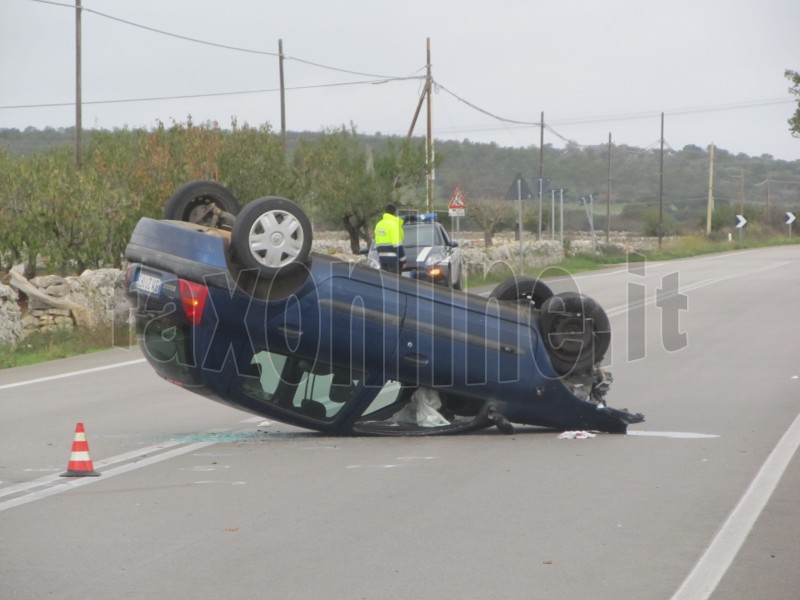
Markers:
(433, 258)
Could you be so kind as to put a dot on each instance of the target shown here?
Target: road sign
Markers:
(741, 222)
(790, 218)
(457, 206)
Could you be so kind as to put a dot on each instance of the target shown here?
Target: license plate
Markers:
(148, 283)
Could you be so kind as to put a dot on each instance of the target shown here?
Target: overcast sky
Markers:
(714, 67)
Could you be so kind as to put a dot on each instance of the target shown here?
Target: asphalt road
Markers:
(196, 501)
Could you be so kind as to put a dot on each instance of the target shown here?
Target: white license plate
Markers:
(148, 283)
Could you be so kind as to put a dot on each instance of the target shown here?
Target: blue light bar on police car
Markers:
(421, 217)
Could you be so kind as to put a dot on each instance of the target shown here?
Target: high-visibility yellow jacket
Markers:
(389, 231)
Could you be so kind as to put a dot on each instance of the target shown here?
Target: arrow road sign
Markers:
(790, 218)
(740, 221)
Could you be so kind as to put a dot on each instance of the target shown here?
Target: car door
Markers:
(461, 342)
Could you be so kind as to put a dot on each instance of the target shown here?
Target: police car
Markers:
(430, 252)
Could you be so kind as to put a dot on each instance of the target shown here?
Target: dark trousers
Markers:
(392, 258)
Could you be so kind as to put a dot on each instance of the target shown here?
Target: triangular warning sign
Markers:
(457, 201)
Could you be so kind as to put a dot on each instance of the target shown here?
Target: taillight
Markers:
(193, 299)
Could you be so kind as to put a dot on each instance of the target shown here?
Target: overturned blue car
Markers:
(233, 305)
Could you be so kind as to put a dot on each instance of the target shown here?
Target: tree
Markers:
(794, 121)
(491, 215)
(348, 183)
(253, 165)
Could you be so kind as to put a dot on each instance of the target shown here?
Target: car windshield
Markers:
(423, 234)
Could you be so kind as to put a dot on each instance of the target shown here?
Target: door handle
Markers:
(416, 360)
(290, 331)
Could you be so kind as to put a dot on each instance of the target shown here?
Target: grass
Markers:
(684, 247)
(40, 347)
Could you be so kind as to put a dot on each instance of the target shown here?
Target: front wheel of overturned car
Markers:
(525, 291)
(272, 235)
(203, 203)
(576, 332)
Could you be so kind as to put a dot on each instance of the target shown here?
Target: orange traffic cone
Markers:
(80, 465)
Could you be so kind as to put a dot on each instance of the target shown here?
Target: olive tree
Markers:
(491, 215)
(252, 164)
(349, 183)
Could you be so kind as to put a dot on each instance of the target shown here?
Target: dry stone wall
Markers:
(52, 302)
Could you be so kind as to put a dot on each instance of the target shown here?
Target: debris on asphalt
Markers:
(576, 435)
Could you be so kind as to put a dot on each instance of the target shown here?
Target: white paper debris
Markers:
(576, 435)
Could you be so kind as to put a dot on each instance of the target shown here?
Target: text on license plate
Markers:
(148, 283)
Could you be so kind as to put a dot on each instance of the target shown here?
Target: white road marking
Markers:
(72, 483)
(8, 386)
(673, 434)
(619, 310)
(99, 464)
(714, 563)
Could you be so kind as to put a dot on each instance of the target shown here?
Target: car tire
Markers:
(523, 291)
(203, 203)
(272, 235)
(576, 332)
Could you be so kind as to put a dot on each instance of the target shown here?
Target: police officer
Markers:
(389, 237)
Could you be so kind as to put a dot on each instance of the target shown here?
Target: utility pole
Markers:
(283, 96)
(519, 213)
(661, 189)
(608, 195)
(769, 208)
(78, 99)
(431, 175)
(710, 207)
(541, 171)
(741, 191)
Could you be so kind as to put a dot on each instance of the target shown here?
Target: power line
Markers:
(206, 95)
(438, 86)
(215, 44)
(384, 79)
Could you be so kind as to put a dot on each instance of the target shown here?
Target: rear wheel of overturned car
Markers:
(576, 332)
(272, 235)
(203, 203)
(525, 291)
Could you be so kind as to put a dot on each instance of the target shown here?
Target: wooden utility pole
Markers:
(78, 99)
(283, 96)
(710, 207)
(608, 194)
(431, 175)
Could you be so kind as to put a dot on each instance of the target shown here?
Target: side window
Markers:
(312, 389)
(440, 236)
(446, 241)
